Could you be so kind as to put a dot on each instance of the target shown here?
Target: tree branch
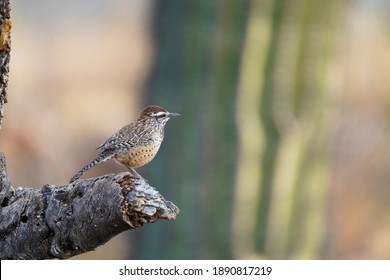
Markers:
(63, 221)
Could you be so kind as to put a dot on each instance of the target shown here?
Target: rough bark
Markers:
(5, 47)
(64, 221)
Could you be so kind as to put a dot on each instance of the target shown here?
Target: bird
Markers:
(135, 144)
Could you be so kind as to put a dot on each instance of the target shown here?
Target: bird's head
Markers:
(157, 114)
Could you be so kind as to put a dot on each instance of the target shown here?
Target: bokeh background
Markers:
(281, 151)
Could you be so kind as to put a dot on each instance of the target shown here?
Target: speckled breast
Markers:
(139, 156)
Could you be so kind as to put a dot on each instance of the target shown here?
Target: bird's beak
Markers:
(174, 114)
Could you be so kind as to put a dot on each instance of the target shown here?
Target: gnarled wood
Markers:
(64, 221)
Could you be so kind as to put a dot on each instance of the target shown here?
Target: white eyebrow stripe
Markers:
(159, 114)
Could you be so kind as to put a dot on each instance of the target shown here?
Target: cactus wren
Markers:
(135, 144)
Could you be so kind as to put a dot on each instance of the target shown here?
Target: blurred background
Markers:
(281, 151)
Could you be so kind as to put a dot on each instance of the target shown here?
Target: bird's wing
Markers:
(118, 139)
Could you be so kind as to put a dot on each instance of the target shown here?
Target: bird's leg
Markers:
(135, 173)
(132, 171)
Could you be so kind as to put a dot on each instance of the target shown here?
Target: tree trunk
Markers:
(5, 47)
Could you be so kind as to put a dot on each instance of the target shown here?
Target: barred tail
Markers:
(105, 155)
